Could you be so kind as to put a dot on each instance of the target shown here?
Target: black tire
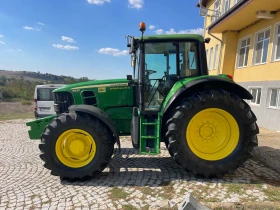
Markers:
(180, 116)
(76, 120)
(135, 146)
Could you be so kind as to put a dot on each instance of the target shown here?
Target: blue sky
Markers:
(85, 37)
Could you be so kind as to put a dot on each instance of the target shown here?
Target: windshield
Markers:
(165, 63)
(45, 94)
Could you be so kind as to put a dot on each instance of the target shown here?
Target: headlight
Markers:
(56, 107)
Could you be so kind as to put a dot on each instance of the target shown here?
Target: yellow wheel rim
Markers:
(75, 148)
(212, 134)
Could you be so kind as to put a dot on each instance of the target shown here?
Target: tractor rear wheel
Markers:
(76, 146)
(211, 133)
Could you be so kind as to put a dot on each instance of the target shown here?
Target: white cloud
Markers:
(39, 23)
(151, 27)
(192, 31)
(67, 39)
(19, 50)
(113, 51)
(30, 28)
(138, 4)
(189, 31)
(1, 42)
(98, 2)
(171, 31)
(159, 31)
(65, 47)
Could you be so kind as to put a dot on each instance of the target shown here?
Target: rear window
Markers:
(45, 94)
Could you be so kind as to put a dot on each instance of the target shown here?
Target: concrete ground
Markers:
(132, 181)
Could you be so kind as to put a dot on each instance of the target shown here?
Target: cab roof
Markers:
(167, 37)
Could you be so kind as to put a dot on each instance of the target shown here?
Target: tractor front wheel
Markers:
(211, 133)
(76, 146)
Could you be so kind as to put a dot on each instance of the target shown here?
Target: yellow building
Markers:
(245, 43)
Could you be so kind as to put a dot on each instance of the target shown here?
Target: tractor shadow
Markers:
(268, 156)
(129, 168)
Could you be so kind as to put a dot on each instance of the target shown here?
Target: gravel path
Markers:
(130, 181)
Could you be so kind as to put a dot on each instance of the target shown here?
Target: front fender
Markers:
(206, 83)
(101, 115)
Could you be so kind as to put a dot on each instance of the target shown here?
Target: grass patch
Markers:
(11, 111)
(46, 202)
(32, 207)
(146, 190)
(118, 193)
(33, 196)
(167, 191)
(210, 200)
(146, 207)
(235, 188)
(273, 193)
(128, 207)
(183, 191)
(257, 184)
(241, 206)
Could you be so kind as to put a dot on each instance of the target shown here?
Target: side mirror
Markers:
(130, 43)
(129, 77)
(207, 40)
(132, 60)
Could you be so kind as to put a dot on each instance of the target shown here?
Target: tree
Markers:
(3, 81)
(69, 80)
(83, 79)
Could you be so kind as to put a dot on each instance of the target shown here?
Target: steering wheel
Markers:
(149, 72)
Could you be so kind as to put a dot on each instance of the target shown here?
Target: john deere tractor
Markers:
(204, 121)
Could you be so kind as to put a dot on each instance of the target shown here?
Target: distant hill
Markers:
(39, 77)
(19, 85)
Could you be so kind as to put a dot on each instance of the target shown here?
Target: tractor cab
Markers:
(160, 61)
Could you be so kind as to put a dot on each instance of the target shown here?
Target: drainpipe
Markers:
(221, 49)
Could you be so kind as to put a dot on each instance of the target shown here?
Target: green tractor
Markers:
(203, 120)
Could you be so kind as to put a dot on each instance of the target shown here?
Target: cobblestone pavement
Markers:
(130, 181)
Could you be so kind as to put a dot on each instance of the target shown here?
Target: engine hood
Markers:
(94, 83)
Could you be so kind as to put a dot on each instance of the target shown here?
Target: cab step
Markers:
(149, 134)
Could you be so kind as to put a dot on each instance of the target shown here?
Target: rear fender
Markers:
(206, 84)
(101, 115)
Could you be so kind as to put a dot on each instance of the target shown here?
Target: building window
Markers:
(276, 44)
(243, 52)
(256, 93)
(216, 57)
(226, 6)
(274, 98)
(261, 47)
(216, 12)
(210, 58)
